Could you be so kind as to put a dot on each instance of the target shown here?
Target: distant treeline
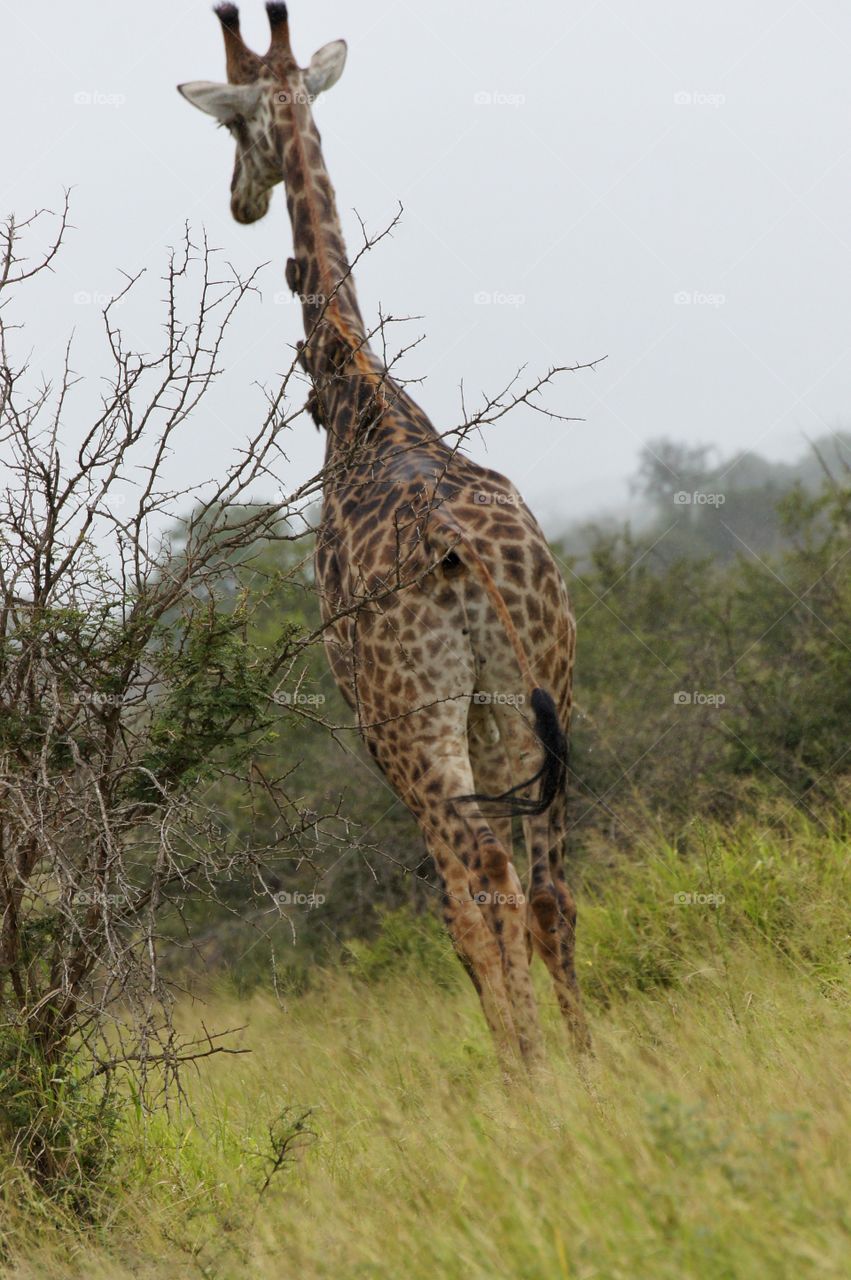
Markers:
(692, 503)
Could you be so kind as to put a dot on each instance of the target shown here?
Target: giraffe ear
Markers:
(227, 102)
(326, 67)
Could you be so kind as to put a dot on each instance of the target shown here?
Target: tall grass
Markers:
(369, 1134)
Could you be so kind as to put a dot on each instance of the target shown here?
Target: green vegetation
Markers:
(708, 1136)
(759, 648)
(700, 682)
(368, 1133)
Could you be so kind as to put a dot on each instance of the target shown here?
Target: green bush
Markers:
(411, 946)
(701, 687)
(57, 1128)
(762, 884)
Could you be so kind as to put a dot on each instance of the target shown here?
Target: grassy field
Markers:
(707, 1137)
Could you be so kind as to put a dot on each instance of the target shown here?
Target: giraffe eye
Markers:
(452, 562)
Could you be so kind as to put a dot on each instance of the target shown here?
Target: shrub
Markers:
(413, 946)
(57, 1126)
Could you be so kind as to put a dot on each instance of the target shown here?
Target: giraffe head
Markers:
(253, 103)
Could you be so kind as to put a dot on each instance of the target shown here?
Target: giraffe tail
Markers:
(548, 728)
(552, 774)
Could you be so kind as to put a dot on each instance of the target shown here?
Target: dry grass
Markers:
(708, 1137)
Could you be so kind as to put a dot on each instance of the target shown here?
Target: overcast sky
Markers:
(662, 184)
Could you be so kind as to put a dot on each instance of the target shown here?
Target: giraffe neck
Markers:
(352, 388)
(320, 272)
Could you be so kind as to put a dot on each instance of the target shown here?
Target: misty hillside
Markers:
(688, 502)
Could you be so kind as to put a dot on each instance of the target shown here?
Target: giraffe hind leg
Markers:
(496, 893)
(552, 916)
(550, 907)
(472, 866)
(492, 773)
(484, 905)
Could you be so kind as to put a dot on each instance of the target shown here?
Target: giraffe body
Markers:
(448, 626)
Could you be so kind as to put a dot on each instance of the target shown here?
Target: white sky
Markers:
(587, 190)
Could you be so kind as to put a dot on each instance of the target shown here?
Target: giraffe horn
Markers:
(280, 24)
(240, 61)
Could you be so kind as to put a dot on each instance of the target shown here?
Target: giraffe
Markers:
(448, 626)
